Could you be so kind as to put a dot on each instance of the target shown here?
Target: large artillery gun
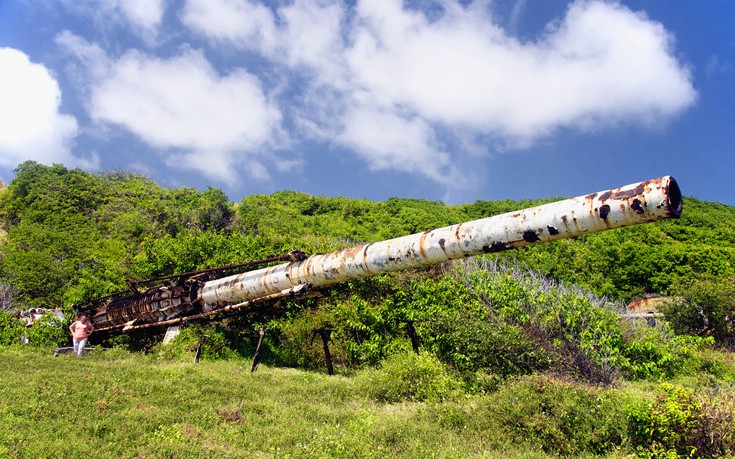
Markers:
(194, 295)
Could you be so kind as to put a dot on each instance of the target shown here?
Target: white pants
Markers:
(79, 345)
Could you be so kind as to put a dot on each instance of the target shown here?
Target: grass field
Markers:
(120, 405)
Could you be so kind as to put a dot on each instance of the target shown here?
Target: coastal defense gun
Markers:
(189, 296)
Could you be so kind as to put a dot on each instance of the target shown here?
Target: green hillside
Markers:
(542, 321)
(132, 406)
(77, 225)
(69, 236)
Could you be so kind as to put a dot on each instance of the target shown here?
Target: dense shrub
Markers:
(300, 344)
(408, 377)
(682, 423)
(49, 331)
(210, 341)
(654, 353)
(371, 325)
(472, 344)
(11, 329)
(585, 336)
(558, 416)
(579, 332)
(463, 333)
(192, 249)
(706, 308)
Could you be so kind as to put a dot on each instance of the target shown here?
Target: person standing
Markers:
(80, 331)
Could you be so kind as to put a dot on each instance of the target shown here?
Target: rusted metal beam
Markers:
(296, 291)
(326, 334)
(256, 356)
(642, 202)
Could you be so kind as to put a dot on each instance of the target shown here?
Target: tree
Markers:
(8, 293)
(707, 308)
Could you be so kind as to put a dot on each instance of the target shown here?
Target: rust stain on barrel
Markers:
(365, 257)
(422, 242)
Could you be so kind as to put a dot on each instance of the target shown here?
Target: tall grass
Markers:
(120, 405)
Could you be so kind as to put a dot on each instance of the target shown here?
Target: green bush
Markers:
(558, 416)
(49, 331)
(666, 425)
(214, 345)
(546, 325)
(408, 377)
(482, 382)
(46, 331)
(707, 308)
(369, 328)
(652, 353)
(681, 423)
(472, 344)
(455, 324)
(300, 345)
(11, 329)
(713, 365)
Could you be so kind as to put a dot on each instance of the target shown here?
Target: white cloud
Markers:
(144, 14)
(199, 119)
(401, 87)
(94, 60)
(515, 15)
(308, 39)
(385, 80)
(31, 125)
(311, 36)
(602, 64)
(389, 141)
(143, 17)
(247, 24)
(305, 33)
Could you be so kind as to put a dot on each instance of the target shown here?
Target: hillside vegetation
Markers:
(133, 406)
(542, 323)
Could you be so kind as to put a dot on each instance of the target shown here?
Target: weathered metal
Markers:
(196, 297)
(629, 205)
(156, 304)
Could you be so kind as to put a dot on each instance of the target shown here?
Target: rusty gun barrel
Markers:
(642, 202)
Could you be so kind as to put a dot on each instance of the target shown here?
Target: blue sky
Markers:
(441, 100)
